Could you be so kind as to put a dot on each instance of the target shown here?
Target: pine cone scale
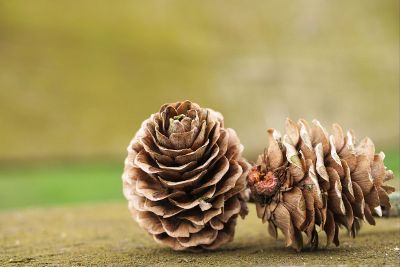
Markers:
(184, 158)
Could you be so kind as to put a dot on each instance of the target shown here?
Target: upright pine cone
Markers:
(184, 177)
(309, 178)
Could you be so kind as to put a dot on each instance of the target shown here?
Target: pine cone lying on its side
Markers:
(308, 178)
(184, 177)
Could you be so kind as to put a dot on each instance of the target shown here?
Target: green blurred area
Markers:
(78, 78)
(35, 186)
(90, 182)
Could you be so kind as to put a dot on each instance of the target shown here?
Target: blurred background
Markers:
(78, 78)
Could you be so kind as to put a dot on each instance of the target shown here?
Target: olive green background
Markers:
(78, 77)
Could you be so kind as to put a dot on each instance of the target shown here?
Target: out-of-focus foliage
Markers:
(78, 77)
(48, 184)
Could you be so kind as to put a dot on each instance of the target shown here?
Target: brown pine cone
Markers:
(184, 177)
(308, 178)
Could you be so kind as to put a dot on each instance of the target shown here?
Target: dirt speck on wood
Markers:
(105, 235)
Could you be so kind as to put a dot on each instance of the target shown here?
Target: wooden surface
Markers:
(105, 235)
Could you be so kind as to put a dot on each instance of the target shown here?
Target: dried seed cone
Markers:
(308, 178)
(184, 177)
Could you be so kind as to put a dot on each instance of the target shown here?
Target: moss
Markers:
(105, 235)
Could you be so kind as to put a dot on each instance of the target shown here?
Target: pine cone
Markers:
(184, 177)
(308, 178)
